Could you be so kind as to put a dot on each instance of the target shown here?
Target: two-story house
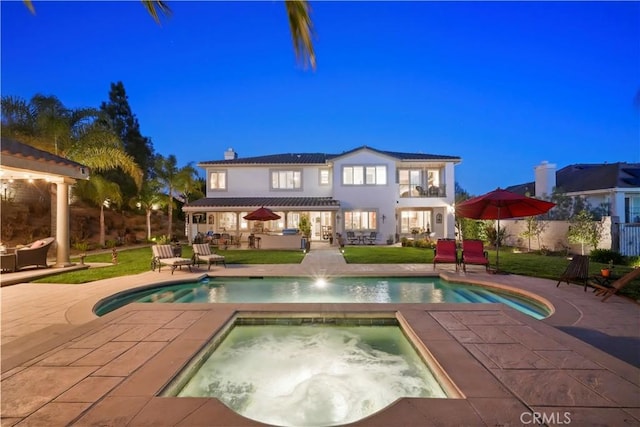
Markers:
(360, 190)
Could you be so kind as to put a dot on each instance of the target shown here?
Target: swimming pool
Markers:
(329, 290)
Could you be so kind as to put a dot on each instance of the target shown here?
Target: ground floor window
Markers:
(415, 220)
(360, 220)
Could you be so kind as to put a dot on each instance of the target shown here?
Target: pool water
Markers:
(311, 375)
(333, 290)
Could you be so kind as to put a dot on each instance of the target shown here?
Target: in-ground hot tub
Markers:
(310, 370)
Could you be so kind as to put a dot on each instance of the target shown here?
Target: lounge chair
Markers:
(473, 253)
(608, 290)
(445, 252)
(202, 252)
(163, 255)
(34, 254)
(576, 272)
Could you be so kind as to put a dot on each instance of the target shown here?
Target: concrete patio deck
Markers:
(61, 365)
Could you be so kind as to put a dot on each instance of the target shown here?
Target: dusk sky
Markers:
(503, 85)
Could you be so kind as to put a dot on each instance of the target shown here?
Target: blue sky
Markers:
(503, 85)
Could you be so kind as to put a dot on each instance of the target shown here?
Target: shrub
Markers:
(605, 256)
(633, 261)
(81, 246)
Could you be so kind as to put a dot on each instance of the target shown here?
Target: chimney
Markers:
(545, 178)
(230, 154)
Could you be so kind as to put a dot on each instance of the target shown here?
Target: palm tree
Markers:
(148, 199)
(101, 192)
(175, 180)
(298, 13)
(80, 135)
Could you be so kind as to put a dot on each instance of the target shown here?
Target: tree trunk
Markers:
(102, 230)
(170, 217)
(148, 224)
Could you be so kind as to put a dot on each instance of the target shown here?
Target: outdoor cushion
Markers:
(37, 244)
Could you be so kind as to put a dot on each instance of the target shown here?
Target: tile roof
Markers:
(588, 177)
(270, 202)
(322, 158)
(15, 154)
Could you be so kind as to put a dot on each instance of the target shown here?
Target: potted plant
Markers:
(305, 228)
(606, 272)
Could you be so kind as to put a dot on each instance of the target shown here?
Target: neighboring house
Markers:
(361, 190)
(612, 187)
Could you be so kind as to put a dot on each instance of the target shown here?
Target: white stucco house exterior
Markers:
(360, 190)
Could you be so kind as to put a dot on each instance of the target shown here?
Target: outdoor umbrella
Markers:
(262, 214)
(501, 204)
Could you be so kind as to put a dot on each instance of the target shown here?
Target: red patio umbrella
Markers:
(501, 204)
(262, 214)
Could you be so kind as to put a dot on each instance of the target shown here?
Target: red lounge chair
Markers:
(473, 253)
(445, 252)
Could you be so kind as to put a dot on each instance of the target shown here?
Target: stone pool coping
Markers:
(62, 365)
(506, 364)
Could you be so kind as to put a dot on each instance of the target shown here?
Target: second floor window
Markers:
(286, 180)
(325, 177)
(218, 180)
(364, 175)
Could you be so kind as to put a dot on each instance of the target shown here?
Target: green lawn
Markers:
(138, 260)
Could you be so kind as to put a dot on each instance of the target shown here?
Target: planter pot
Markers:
(605, 272)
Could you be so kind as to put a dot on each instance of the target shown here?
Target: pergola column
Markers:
(62, 225)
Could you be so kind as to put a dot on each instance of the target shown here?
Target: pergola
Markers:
(19, 161)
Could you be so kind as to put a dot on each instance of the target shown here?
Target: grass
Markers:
(138, 260)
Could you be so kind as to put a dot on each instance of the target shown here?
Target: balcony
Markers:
(418, 191)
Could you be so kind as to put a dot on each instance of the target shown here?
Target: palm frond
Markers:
(105, 158)
(299, 13)
(29, 5)
(155, 6)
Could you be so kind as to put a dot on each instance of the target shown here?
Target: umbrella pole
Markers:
(498, 244)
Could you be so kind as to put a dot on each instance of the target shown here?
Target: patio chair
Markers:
(445, 252)
(576, 272)
(202, 252)
(163, 255)
(614, 287)
(352, 238)
(371, 238)
(34, 253)
(473, 253)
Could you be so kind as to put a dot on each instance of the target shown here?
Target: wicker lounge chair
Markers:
(202, 252)
(577, 271)
(163, 255)
(34, 254)
(473, 253)
(614, 287)
(445, 252)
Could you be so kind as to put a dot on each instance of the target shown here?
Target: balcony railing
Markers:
(419, 191)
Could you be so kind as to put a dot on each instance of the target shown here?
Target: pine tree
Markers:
(125, 124)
